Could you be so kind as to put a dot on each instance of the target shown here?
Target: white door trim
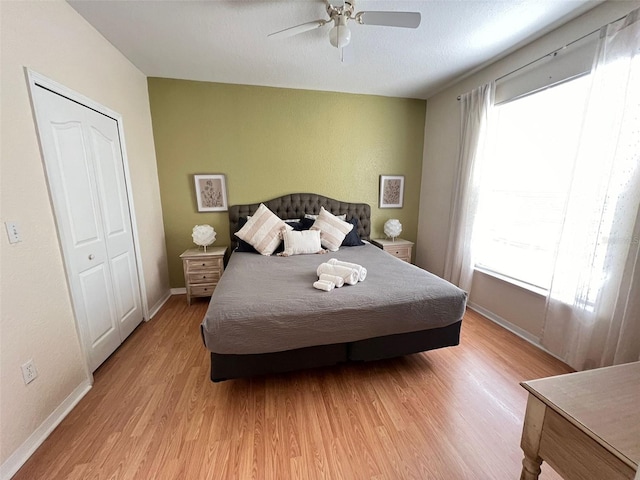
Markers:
(34, 79)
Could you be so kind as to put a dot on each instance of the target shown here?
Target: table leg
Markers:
(531, 434)
(530, 467)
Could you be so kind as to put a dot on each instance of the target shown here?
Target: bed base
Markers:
(229, 366)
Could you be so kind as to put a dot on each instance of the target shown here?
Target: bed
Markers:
(265, 316)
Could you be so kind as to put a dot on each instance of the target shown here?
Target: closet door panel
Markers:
(85, 173)
(112, 192)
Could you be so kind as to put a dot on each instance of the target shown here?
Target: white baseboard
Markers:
(31, 444)
(156, 308)
(522, 333)
(532, 339)
(179, 291)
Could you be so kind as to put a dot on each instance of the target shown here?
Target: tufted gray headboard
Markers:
(295, 205)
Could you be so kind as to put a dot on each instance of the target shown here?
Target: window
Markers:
(525, 182)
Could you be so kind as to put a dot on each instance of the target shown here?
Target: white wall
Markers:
(522, 308)
(37, 319)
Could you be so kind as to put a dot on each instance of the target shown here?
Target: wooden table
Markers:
(585, 425)
(202, 270)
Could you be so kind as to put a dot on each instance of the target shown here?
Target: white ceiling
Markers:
(226, 41)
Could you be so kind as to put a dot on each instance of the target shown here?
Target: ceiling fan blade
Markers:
(305, 27)
(390, 19)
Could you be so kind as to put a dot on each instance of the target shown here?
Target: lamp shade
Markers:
(203, 235)
(392, 228)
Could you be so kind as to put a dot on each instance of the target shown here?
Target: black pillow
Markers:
(352, 239)
(242, 245)
(297, 225)
(307, 223)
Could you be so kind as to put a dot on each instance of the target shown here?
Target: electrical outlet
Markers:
(29, 372)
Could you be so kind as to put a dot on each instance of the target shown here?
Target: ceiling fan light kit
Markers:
(340, 34)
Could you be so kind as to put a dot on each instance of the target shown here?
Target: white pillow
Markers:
(263, 230)
(300, 243)
(332, 230)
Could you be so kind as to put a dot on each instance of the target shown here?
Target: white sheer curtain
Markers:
(475, 113)
(593, 310)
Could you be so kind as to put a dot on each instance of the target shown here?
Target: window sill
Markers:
(543, 292)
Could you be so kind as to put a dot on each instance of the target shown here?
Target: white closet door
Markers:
(84, 165)
(112, 194)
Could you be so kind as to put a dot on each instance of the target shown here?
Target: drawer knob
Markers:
(203, 264)
(91, 257)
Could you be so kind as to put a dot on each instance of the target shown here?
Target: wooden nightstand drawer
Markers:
(209, 264)
(202, 271)
(400, 252)
(398, 248)
(204, 277)
(202, 290)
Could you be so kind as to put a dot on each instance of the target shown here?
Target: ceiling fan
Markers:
(340, 14)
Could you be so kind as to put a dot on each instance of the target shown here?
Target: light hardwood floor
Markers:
(153, 413)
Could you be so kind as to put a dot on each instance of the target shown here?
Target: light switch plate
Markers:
(12, 232)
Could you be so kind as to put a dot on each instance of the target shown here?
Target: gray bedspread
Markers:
(268, 304)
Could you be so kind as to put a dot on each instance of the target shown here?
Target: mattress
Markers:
(268, 304)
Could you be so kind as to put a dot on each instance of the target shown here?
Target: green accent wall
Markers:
(273, 141)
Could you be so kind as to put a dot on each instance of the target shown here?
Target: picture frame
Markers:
(391, 191)
(211, 192)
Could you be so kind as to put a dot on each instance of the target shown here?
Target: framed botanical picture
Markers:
(391, 191)
(211, 193)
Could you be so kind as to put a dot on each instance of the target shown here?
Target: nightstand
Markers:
(398, 248)
(202, 270)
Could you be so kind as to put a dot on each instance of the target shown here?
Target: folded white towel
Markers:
(338, 281)
(349, 275)
(362, 272)
(324, 285)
